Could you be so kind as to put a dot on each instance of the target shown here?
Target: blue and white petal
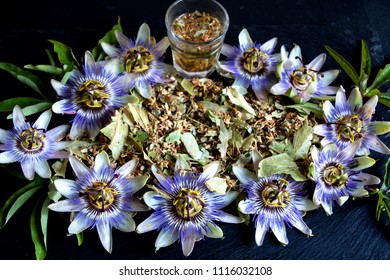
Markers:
(166, 237)
(101, 197)
(185, 208)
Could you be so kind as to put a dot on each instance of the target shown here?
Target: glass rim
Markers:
(220, 37)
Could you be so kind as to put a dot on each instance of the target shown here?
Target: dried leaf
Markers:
(173, 136)
(191, 145)
(302, 141)
(280, 164)
(187, 86)
(217, 184)
(117, 131)
(224, 136)
(60, 168)
(137, 115)
(238, 99)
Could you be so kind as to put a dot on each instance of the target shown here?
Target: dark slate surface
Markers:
(352, 232)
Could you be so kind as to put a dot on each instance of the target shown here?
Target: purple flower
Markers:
(185, 208)
(302, 82)
(141, 58)
(350, 121)
(102, 197)
(338, 175)
(32, 145)
(273, 201)
(250, 64)
(92, 96)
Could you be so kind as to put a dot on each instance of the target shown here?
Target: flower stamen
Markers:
(302, 78)
(188, 203)
(101, 195)
(137, 59)
(275, 193)
(32, 139)
(254, 59)
(334, 175)
(92, 93)
(348, 128)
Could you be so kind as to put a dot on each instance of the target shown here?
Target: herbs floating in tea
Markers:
(197, 27)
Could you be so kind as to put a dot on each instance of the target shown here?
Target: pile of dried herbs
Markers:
(204, 120)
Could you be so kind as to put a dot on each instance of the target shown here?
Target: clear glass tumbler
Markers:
(196, 30)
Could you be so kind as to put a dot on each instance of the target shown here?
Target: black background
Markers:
(352, 232)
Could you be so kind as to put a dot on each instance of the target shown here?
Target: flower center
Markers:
(348, 128)
(303, 79)
(92, 93)
(32, 139)
(101, 195)
(137, 59)
(334, 175)
(254, 60)
(275, 193)
(188, 203)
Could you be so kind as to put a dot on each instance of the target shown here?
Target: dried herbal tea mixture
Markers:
(199, 44)
(197, 27)
(205, 120)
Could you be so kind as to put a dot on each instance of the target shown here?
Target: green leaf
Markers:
(383, 203)
(13, 199)
(64, 52)
(30, 110)
(386, 179)
(348, 68)
(109, 38)
(372, 93)
(384, 98)
(45, 219)
(365, 64)
(36, 232)
(50, 69)
(50, 55)
(24, 76)
(9, 104)
(80, 238)
(13, 169)
(382, 77)
(20, 201)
